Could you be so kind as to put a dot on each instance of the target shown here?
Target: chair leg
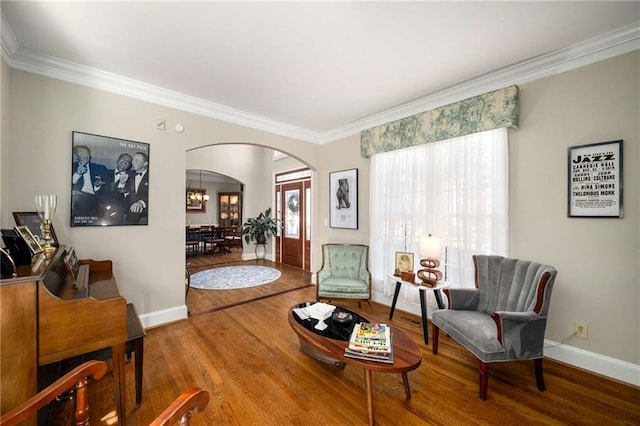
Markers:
(484, 380)
(435, 333)
(537, 363)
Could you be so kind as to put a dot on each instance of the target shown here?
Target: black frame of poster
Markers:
(595, 184)
(109, 198)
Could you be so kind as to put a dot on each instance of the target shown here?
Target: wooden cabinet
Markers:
(229, 208)
(46, 316)
(19, 335)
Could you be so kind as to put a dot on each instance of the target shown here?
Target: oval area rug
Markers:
(234, 277)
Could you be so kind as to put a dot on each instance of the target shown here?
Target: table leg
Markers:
(117, 359)
(405, 381)
(395, 299)
(369, 382)
(423, 308)
(139, 350)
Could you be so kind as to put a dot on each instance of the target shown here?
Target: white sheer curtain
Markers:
(456, 189)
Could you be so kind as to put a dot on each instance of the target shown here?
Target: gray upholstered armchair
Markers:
(344, 273)
(504, 317)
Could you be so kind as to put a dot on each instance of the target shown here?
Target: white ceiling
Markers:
(313, 70)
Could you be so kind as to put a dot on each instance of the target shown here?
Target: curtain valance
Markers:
(489, 111)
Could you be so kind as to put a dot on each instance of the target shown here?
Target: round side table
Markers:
(423, 301)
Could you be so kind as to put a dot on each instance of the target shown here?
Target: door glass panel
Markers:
(307, 213)
(292, 208)
(278, 210)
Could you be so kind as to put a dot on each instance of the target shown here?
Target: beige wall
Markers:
(336, 156)
(44, 112)
(597, 259)
(4, 133)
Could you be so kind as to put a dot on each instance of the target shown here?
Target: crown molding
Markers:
(60, 69)
(614, 43)
(8, 40)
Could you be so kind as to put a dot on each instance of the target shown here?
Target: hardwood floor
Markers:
(201, 302)
(239, 346)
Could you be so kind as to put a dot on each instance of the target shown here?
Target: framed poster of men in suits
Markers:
(109, 181)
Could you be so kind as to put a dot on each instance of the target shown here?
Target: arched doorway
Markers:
(256, 167)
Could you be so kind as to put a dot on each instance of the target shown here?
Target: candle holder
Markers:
(46, 208)
(48, 248)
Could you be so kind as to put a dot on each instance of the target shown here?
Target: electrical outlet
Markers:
(581, 330)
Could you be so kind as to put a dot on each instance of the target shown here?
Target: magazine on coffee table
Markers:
(372, 342)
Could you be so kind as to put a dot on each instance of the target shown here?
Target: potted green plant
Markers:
(260, 228)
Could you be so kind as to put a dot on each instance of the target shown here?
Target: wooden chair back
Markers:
(179, 411)
(194, 399)
(76, 378)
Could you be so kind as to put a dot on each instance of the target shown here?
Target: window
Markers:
(456, 189)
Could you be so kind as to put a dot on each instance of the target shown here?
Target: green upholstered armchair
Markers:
(503, 318)
(344, 274)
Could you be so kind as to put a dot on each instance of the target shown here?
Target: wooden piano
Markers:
(45, 317)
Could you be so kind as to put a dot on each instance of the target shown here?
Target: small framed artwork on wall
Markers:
(343, 199)
(595, 180)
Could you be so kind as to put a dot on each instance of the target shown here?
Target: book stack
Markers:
(370, 341)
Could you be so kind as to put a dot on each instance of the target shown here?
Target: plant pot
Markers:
(261, 239)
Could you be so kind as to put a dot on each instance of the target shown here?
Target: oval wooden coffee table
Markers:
(328, 345)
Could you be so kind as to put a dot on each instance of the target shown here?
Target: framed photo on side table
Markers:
(33, 221)
(595, 180)
(343, 199)
(404, 263)
(30, 239)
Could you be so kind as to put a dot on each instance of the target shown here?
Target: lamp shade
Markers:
(430, 246)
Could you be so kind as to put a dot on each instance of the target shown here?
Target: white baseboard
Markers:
(594, 362)
(590, 361)
(165, 316)
(252, 256)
